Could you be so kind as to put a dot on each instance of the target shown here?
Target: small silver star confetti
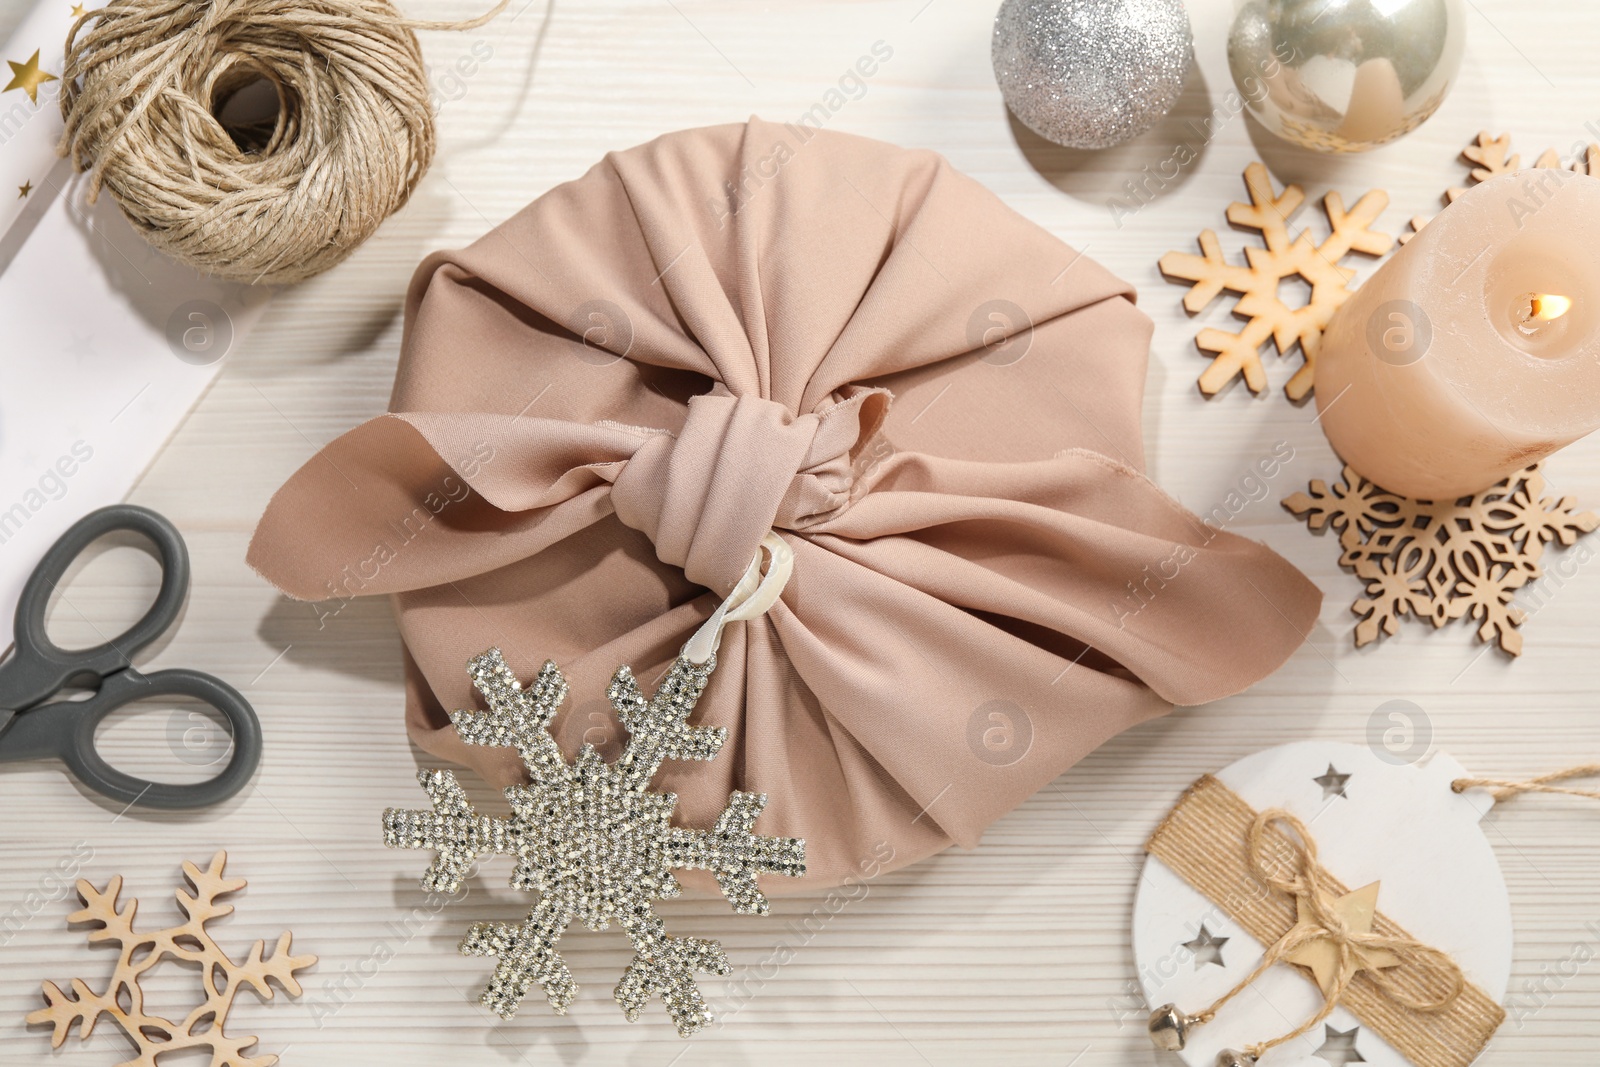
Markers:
(1339, 1047)
(1332, 783)
(1207, 948)
(593, 840)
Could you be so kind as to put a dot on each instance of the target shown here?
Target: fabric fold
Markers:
(604, 403)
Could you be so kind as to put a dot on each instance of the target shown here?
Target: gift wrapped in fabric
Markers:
(603, 404)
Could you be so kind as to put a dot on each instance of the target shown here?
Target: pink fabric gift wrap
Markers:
(604, 403)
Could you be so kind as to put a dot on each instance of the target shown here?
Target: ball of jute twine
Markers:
(352, 136)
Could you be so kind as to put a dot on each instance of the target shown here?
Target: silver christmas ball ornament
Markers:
(1345, 75)
(1091, 73)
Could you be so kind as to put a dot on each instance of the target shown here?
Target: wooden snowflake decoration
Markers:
(1491, 157)
(592, 839)
(1441, 561)
(1259, 281)
(221, 978)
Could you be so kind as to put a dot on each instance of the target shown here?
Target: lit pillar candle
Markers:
(1475, 350)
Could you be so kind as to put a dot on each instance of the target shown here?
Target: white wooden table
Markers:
(1017, 952)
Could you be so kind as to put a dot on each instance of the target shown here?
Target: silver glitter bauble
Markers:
(1091, 73)
(1345, 75)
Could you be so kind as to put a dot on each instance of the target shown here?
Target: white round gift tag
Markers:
(1374, 821)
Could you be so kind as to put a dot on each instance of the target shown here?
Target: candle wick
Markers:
(1536, 309)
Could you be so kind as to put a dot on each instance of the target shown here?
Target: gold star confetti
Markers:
(24, 189)
(77, 11)
(27, 76)
(1321, 956)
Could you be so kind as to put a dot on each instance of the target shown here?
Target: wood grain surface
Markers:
(1016, 952)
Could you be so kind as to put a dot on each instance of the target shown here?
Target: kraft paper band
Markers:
(1203, 841)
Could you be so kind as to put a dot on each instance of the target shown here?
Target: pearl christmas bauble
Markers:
(1345, 75)
(1091, 73)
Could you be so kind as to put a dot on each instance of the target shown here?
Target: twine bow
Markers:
(1287, 863)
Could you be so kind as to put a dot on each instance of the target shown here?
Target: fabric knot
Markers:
(740, 466)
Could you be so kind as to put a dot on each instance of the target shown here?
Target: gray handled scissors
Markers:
(31, 728)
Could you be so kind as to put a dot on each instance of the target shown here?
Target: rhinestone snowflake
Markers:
(191, 943)
(592, 839)
(1447, 560)
(1258, 281)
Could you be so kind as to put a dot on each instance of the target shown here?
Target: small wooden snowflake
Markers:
(1491, 157)
(1258, 281)
(221, 979)
(1440, 561)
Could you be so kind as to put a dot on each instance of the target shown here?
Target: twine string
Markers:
(458, 24)
(1505, 789)
(352, 136)
(1294, 872)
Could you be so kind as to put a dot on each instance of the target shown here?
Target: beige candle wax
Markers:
(1475, 350)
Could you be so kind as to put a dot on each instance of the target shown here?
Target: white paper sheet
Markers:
(105, 344)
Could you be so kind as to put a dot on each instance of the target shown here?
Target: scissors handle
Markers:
(40, 666)
(66, 731)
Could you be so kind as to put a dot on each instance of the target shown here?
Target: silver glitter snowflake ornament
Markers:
(593, 840)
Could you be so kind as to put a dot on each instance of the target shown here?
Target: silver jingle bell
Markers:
(1345, 75)
(1234, 1058)
(1169, 1028)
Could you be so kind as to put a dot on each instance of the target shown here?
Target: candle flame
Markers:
(1547, 307)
